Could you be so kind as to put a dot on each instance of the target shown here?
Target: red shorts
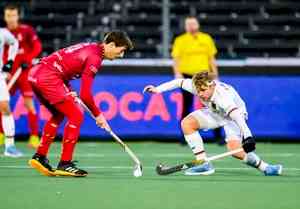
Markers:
(22, 84)
(47, 84)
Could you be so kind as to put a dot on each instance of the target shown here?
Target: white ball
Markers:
(137, 172)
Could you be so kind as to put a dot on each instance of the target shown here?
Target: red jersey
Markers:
(29, 44)
(80, 60)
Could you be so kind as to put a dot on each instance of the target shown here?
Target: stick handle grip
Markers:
(14, 78)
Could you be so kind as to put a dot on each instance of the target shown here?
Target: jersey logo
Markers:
(57, 66)
(93, 69)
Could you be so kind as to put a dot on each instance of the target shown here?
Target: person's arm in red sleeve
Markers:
(36, 48)
(91, 68)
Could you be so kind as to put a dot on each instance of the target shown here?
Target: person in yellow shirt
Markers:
(193, 52)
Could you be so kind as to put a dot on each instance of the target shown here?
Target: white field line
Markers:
(130, 167)
(157, 155)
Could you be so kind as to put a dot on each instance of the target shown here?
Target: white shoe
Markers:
(273, 170)
(204, 169)
(12, 151)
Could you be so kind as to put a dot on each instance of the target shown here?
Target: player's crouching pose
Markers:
(50, 82)
(224, 108)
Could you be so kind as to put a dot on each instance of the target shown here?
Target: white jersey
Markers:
(225, 104)
(6, 38)
(224, 99)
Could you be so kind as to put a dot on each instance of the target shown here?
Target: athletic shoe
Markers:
(12, 151)
(33, 141)
(68, 168)
(41, 164)
(2, 139)
(273, 170)
(204, 169)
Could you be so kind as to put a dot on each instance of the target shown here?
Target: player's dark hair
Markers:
(12, 6)
(120, 38)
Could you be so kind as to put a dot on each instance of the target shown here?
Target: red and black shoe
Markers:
(41, 164)
(68, 168)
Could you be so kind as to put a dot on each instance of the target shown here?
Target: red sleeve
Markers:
(36, 44)
(91, 67)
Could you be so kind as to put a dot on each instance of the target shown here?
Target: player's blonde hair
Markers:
(201, 81)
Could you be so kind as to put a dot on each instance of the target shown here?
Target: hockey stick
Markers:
(14, 78)
(166, 170)
(137, 172)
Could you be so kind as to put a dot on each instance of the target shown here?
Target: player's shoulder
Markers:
(93, 49)
(96, 46)
(5, 32)
(93, 44)
(26, 29)
(221, 86)
(204, 35)
(83, 46)
(222, 89)
(24, 26)
(222, 93)
(2, 32)
(181, 37)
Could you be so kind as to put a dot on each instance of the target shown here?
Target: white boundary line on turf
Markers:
(130, 167)
(168, 155)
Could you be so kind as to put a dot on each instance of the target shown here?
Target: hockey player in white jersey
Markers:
(223, 108)
(8, 123)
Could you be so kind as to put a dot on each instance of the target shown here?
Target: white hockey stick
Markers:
(137, 172)
(226, 154)
(166, 170)
(14, 78)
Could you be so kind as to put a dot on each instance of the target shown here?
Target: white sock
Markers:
(195, 142)
(253, 160)
(8, 125)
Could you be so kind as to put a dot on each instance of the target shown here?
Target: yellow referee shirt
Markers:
(193, 52)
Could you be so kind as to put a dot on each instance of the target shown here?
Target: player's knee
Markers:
(235, 144)
(80, 117)
(76, 118)
(28, 102)
(4, 108)
(239, 155)
(189, 125)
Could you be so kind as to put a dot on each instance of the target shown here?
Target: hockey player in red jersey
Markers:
(29, 48)
(50, 82)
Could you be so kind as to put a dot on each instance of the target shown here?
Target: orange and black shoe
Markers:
(41, 164)
(68, 168)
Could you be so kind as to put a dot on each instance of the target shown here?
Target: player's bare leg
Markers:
(32, 122)
(8, 124)
(190, 127)
(252, 159)
(235, 144)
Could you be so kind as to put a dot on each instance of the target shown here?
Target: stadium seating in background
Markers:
(241, 28)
